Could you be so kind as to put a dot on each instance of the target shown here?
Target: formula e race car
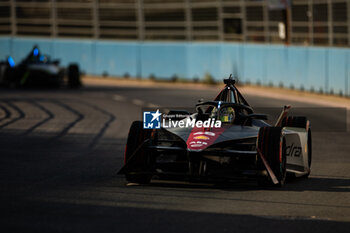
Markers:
(223, 139)
(37, 70)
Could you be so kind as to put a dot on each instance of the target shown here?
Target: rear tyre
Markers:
(301, 122)
(272, 146)
(74, 76)
(309, 153)
(137, 135)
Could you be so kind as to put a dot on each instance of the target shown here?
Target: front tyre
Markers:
(271, 144)
(137, 135)
(74, 76)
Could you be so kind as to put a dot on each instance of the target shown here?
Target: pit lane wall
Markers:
(311, 68)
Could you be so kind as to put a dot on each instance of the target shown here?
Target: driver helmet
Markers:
(227, 115)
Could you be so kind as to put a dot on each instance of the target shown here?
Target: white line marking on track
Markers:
(137, 102)
(118, 98)
(153, 106)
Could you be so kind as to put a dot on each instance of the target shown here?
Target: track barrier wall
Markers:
(325, 69)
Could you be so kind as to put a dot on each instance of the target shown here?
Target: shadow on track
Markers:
(45, 110)
(65, 130)
(81, 217)
(17, 109)
(321, 184)
(7, 112)
(62, 102)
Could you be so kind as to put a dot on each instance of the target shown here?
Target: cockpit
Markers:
(35, 57)
(229, 107)
(227, 113)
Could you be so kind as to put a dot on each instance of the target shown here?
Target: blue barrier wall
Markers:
(309, 68)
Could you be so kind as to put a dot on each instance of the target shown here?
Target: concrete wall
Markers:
(309, 68)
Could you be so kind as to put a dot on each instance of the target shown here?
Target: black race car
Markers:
(224, 139)
(37, 70)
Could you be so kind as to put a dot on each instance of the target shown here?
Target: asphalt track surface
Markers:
(60, 151)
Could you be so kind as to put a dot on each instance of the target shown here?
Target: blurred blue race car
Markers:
(37, 70)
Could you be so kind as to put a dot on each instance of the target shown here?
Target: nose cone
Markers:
(201, 138)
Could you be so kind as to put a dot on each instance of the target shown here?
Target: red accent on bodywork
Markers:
(199, 144)
(126, 147)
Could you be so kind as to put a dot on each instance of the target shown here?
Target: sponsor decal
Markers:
(293, 151)
(196, 145)
(201, 137)
(152, 120)
(191, 123)
(198, 142)
(206, 133)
